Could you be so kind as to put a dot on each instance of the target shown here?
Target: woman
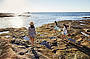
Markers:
(32, 32)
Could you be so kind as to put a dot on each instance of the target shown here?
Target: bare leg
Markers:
(32, 41)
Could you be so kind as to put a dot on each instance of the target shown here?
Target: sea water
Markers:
(40, 18)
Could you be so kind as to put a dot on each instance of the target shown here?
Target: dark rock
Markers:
(12, 41)
(88, 30)
(46, 44)
(6, 14)
(27, 46)
(21, 53)
(35, 53)
(54, 43)
(54, 51)
(26, 52)
(86, 17)
(14, 49)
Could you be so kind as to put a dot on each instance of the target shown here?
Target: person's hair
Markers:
(65, 26)
(32, 26)
(56, 23)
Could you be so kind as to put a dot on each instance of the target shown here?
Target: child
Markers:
(56, 28)
(65, 29)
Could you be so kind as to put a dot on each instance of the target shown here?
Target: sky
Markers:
(44, 6)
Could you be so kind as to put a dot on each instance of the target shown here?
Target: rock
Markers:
(57, 44)
(54, 51)
(22, 47)
(6, 14)
(86, 17)
(12, 41)
(14, 49)
(21, 53)
(5, 49)
(54, 43)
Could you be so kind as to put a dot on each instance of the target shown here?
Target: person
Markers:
(56, 23)
(56, 28)
(69, 26)
(32, 32)
(65, 29)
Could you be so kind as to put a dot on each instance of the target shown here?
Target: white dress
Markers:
(64, 31)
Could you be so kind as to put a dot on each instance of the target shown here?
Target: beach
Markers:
(75, 45)
(44, 29)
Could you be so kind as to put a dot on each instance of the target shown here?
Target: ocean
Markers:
(40, 18)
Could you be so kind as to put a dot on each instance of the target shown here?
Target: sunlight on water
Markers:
(38, 19)
(15, 22)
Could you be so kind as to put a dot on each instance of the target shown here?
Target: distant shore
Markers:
(7, 14)
(26, 14)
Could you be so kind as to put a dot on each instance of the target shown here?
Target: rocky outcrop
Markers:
(48, 43)
(6, 14)
(86, 17)
(5, 49)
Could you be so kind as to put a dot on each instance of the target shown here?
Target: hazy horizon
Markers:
(44, 6)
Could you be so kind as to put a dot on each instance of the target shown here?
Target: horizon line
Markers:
(46, 11)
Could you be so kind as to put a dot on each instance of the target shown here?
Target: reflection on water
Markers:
(39, 19)
(15, 22)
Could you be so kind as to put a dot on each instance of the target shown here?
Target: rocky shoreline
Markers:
(7, 14)
(57, 45)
